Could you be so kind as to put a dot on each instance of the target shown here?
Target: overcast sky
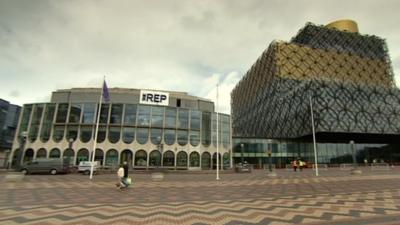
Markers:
(169, 45)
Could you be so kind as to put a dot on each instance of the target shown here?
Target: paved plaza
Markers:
(335, 197)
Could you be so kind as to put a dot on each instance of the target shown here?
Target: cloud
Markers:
(168, 45)
(14, 94)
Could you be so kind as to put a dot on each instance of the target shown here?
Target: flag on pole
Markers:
(106, 95)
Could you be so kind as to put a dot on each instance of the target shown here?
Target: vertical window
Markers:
(34, 128)
(170, 118)
(114, 134)
(206, 129)
(169, 136)
(214, 129)
(195, 120)
(155, 158)
(82, 155)
(72, 132)
(116, 114)
(75, 113)
(194, 159)
(128, 134)
(47, 122)
(182, 137)
(142, 135)
(194, 137)
(225, 130)
(101, 134)
(156, 136)
(62, 113)
(25, 118)
(183, 119)
(141, 158)
(181, 159)
(86, 133)
(58, 133)
(130, 115)
(104, 113)
(157, 116)
(143, 115)
(112, 158)
(206, 160)
(41, 153)
(88, 113)
(55, 153)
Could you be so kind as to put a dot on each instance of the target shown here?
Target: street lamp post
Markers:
(70, 142)
(160, 149)
(269, 160)
(270, 172)
(158, 175)
(241, 152)
(355, 169)
(23, 137)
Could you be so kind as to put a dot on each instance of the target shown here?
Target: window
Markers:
(75, 113)
(128, 134)
(86, 133)
(47, 122)
(114, 134)
(72, 132)
(55, 153)
(194, 138)
(195, 120)
(157, 116)
(88, 113)
(62, 113)
(170, 118)
(130, 115)
(116, 114)
(156, 136)
(142, 135)
(104, 113)
(143, 115)
(182, 137)
(206, 129)
(181, 159)
(25, 118)
(34, 129)
(101, 134)
(183, 119)
(58, 133)
(169, 136)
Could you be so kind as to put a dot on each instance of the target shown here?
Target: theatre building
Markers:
(146, 128)
(341, 78)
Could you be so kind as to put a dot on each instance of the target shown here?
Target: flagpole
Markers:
(96, 131)
(217, 138)
(313, 132)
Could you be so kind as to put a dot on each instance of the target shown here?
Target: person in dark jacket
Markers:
(125, 169)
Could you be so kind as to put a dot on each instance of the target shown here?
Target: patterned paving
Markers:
(254, 199)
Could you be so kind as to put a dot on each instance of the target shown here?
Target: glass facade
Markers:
(254, 151)
(164, 128)
(35, 122)
(47, 122)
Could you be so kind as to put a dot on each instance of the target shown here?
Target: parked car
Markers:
(52, 166)
(243, 168)
(85, 166)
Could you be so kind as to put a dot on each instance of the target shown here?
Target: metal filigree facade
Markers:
(347, 75)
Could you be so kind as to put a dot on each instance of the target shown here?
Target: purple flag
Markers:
(106, 95)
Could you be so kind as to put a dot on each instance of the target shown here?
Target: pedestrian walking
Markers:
(123, 179)
(294, 163)
(301, 164)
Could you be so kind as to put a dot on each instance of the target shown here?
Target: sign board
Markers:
(154, 98)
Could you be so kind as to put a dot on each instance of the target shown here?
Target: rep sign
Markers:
(154, 98)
